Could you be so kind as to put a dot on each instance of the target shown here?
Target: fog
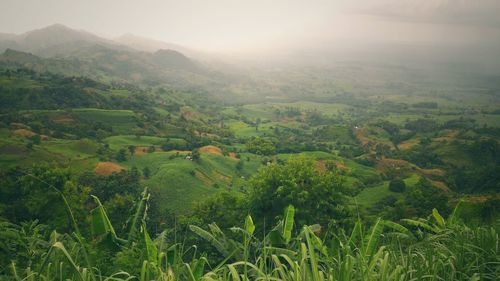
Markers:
(462, 30)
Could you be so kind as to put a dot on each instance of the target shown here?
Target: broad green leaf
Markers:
(288, 218)
(372, 241)
(249, 226)
(100, 221)
(399, 228)
(439, 219)
(150, 246)
(210, 238)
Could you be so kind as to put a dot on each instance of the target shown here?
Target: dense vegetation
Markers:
(432, 248)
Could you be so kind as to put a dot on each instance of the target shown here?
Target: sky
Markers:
(263, 25)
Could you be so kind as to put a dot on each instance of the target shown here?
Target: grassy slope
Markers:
(181, 182)
(371, 195)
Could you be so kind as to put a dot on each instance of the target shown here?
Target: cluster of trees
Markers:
(35, 194)
(50, 91)
(261, 146)
(418, 200)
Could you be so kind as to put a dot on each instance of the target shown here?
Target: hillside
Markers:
(129, 159)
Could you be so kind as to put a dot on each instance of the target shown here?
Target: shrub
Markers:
(397, 185)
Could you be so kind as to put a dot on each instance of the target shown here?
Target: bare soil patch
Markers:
(431, 172)
(222, 177)
(211, 149)
(63, 119)
(24, 133)
(408, 144)
(440, 185)
(387, 164)
(107, 168)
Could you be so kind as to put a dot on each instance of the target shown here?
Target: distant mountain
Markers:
(17, 57)
(82, 53)
(53, 40)
(60, 40)
(150, 45)
(174, 59)
(164, 67)
(68, 52)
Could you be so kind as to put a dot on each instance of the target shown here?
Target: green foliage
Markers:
(195, 155)
(441, 249)
(146, 172)
(261, 146)
(131, 149)
(35, 194)
(225, 208)
(121, 155)
(318, 197)
(397, 185)
(423, 198)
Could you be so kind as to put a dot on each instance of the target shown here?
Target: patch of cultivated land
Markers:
(210, 149)
(107, 168)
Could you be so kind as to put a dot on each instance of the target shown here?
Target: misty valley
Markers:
(138, 160)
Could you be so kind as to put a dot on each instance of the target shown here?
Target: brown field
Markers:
(408, 144)
(360, 135)
(232, 155)
(431, 172)
(441, 185)
(107, 168)
(477, 198)
(320, 165)
(63, 119)
(210, 149)
(448, 136)
(222, 177)
(24, 133)
(387, 164)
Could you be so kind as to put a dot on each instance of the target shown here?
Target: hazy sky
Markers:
(230, 25)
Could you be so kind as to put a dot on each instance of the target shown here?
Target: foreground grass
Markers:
(423, 249)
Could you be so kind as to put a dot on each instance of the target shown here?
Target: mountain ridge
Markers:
(61, 37)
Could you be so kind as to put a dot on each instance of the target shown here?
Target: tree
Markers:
(319, 197)
(146, 172)
(261, 146)
(101, 134)
(131, 149)
(227, 209)
(36, 139)
(257, 123)
(35, 193)
(423, 197)
(195, 155)
(239, 166)
(151, 149)
(397, 185)
(121, 155)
